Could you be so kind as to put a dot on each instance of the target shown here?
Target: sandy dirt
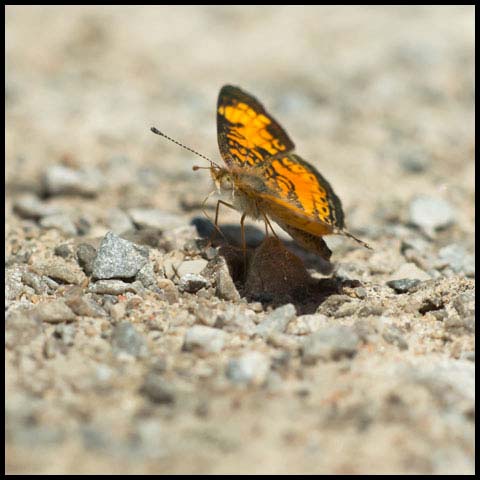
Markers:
(132, 346)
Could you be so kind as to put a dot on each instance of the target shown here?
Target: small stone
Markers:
(169, 290)
(236, 319)
(430, 213)
(428, 304)
(306, 324)
(411, 271)
(55, 311)
(225, 288)
(112, 287)
(86, 254)
(250, 368)
(464, 304)
(60, 270)
(333, 303)
(206, 316)
(146, 276)
(205, 338)
(370, 309)
(84, 306)
(457, 258)
(158, 390)
(331, 343)
(118, 221)
(63, 251)
(60, 221)
(277, 320)
(60, 179)
(125, 338)
(29, 206)
(404, 285)
(152, 217)
(36, 282)
(193, 267)
(191, 283)
(118, 258)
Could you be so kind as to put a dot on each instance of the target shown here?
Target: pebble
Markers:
(86, 254)
(193, 267)
(236, 319)
(169, 290)
(158, 390)
(205, 338)
(36, 282)
(370, 309)
(60, 221)
(59, 179)
(63, 250)
(84, 306)
(125, 338)
(225, 287)
(411, 271)
(277, 320)
(146, 276)
(331, 343)
(112, 287)
(191, 283)
(457, 258)
(431, 213)
(55, 311)
(118, 221)
(60, 270)
(31, 207)
(306, 324)
(152, 217)
(251, 368)
(118, 258)
(464, 304)
(404, 285)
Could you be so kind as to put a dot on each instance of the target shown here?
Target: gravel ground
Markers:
(134, 347)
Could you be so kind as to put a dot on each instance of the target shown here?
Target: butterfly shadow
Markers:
(277, 272)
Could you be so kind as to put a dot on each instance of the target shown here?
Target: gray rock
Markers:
(250, 368)
(236, 319)
(205, 338)
(457, 258)
(29, 206)
(60, 221)
(118, 258)
(112, 287)
(60, 270)
(465, 304)
(118, 221)
(277, 320)
(54, 312)
(404, 285)
(60, 180)
(191, 283)
(86, 254)
(146, 276)
(151, 217)
(158, 390)
(63, 251)
(331, 343)
(125, 338)
(430, 213)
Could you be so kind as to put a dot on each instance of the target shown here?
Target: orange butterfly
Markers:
(265, 179)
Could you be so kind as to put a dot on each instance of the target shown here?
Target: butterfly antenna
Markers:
(361, 242)
(195, 167)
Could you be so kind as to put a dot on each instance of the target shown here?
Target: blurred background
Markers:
(379, 99)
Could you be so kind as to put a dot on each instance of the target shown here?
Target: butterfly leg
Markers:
(267, 223)
(244, 243)
(215, 224)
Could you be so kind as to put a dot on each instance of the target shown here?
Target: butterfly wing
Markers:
(292, 192)
(247, 134)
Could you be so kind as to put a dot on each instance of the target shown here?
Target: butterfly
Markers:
(265, 179)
